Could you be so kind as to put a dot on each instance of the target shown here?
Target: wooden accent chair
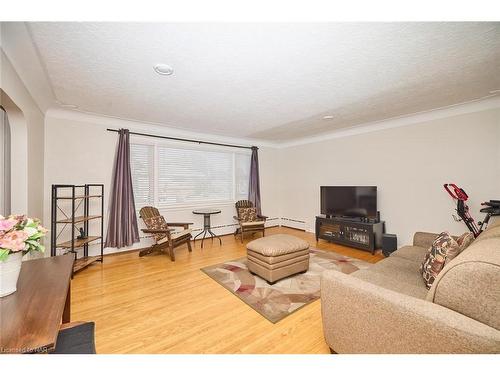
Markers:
(166, 238)
(248, 219)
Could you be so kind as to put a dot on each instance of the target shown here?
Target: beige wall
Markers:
(80, 150)
(408, 164)
(26, 121)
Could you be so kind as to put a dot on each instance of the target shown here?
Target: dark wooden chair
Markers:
(248, 220)
(166, 238)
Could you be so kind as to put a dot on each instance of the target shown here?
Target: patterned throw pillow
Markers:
(463, 242)
(436, 257)
(247, 214)
(156, 222)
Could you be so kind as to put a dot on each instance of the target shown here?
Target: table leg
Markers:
(194, 239)
(212, 234)
(66, 318)
(204, 235)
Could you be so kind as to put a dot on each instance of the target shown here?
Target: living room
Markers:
(250, 187)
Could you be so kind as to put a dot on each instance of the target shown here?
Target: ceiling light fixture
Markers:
(163, 69)
(328, 117)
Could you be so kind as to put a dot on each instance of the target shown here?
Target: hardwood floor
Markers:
(153, 305)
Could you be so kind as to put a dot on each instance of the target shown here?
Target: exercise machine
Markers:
(491, 208)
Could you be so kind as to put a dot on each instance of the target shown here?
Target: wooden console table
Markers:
(31, 317)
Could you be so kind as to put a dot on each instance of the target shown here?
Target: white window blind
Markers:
(169, 176)
(141, 165)
(242, 176)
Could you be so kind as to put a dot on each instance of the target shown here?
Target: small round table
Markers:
(206, 224)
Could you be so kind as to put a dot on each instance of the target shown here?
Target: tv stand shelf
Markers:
(350, 232)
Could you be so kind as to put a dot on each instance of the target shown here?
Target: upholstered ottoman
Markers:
(278, 256)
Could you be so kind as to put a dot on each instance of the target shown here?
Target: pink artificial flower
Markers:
(7, 224)
(13, 241)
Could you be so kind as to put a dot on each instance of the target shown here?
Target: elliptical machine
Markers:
(492, 208)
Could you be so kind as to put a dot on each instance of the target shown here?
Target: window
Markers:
(173, 176)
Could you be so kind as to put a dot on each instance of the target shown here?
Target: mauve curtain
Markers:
(254, 187)
(122, 223)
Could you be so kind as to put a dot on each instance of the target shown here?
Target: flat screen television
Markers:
(349, 201)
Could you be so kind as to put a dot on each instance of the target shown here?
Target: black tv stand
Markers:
(353, 232)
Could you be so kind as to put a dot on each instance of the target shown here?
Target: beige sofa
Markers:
(387, 308)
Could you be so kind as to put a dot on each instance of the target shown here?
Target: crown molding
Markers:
(483, 104)
(150, 127)
(479, 105)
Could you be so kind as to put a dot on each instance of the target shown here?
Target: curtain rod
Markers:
(184, 139)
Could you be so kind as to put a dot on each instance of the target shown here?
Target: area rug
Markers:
(286, 296)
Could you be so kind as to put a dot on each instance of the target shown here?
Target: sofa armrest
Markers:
(424, 239)
(360, 317)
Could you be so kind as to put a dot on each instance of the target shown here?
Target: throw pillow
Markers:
(436, 257)
(247, 214)
(463, 242)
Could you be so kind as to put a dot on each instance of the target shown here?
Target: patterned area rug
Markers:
(277, 301)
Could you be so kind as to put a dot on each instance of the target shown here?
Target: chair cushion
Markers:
(180, 234)
(247, 214)
(436, 257)
(253, 224)
(175, 235)
(157, 222)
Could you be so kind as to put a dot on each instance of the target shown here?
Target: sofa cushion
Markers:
(494, 222)
(490, 232)
(424, 239)
(413, 253)
(436, 257)
(470, 283)
(397, 274)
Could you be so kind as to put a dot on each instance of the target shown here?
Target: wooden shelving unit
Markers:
(77, 243)
(71, 205)
(78, 219)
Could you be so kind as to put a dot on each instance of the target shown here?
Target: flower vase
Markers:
(9, 273)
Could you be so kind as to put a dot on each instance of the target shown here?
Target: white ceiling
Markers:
(268, 81)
